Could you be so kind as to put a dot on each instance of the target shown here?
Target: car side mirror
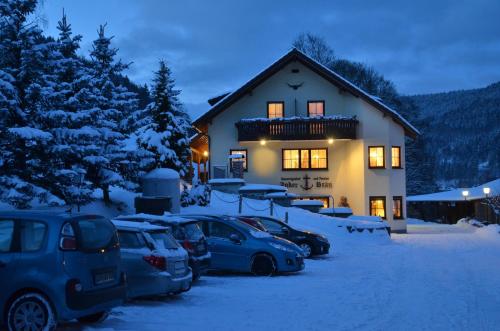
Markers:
(284, 229)
(235, 238)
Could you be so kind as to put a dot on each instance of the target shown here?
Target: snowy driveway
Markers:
(432, 279)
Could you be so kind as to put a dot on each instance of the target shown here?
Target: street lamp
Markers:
(465, 194)
(486, 191)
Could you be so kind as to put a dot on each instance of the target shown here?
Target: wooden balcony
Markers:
(297, 128)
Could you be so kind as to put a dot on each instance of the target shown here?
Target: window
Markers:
(129, 239)
(290, 159)
(315, 108)
(163, 240)
(6, 235)
(319, 159)
(377, 206)
(275, 109)
(376, 157)
(397, 207)
(243, 152)
(221, 230)
(32, 236)
(272, 226)
(396, 156)
(305, 158)
(96, 234)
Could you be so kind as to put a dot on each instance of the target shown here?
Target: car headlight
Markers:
(282, 247)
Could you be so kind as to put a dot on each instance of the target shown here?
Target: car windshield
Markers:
(163, 240)
(190, 231)
(96, 233)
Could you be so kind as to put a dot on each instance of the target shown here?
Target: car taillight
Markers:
(187, 246)
(68, 238)
(158, 262)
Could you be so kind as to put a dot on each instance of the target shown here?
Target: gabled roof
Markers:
(475, 193)
(331, 76)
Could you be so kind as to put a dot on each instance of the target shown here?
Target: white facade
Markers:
(347, 174)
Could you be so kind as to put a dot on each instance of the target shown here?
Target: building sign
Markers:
(306, 182)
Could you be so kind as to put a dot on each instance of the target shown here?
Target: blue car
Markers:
(237, 246)
(57, 267)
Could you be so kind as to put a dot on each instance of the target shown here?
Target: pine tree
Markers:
(23, 141)
(113, 105)
(166, 136)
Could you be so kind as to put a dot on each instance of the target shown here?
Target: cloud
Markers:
(213, 47)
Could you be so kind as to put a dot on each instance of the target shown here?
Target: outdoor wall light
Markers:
(465, 194)
(486, 191)
(205, 153)
(330, 141)
(263, 142)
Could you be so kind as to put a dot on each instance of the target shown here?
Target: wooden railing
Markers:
(297, 128)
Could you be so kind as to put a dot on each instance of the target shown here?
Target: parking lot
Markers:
(446, 274)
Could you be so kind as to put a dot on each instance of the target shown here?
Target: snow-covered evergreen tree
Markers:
(113, 104)
(25, 90)
(166, 136)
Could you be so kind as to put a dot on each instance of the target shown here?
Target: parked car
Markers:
(187, 233)
(56, 267)
(252, 221)
(310, 242)
(154, 262)
(237, 246)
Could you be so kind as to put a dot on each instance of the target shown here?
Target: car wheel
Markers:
(94, 318)
(307, 249)
(263, 265)
(31, 311)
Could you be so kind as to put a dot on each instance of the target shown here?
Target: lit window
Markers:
(377, 206)
(396, 157)
(318, 159)
(240, 152)
(376, 157)
(397, 207)
(326, 201)
(275, 109)
(305, 158)
(316, 108)
(290, 159)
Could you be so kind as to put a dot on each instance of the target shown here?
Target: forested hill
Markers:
(462, 131)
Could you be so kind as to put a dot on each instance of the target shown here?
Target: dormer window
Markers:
(316, 108)
(275, 109)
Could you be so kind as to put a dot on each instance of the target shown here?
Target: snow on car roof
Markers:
(145, 226)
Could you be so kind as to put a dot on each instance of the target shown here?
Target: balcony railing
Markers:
(297, 128)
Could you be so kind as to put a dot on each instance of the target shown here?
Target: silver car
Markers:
(154, 263)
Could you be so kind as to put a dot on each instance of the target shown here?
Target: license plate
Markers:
(103, 278)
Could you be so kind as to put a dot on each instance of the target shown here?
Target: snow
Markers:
(262, 187)
(307, 203)
(28, 133)
(226, 181)
(475, 193)
(436, 277)
(296, 118)
(336, 210)
(280, 195)
(162, 173)
(145, 226)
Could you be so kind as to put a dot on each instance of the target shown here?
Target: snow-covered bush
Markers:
(198, 194)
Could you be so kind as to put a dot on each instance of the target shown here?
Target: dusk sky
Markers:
(215, 46)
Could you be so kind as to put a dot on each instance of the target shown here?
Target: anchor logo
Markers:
(307, 187)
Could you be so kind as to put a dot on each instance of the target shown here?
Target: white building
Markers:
(305, 127)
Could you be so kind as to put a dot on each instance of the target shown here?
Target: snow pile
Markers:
(467, 222)
(491, 231)
(263, 188)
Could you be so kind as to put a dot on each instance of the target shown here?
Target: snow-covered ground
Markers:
(437, 277)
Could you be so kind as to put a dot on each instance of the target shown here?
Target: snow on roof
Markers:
(280, 195)
(475, 193)
(262, 187)
(226, 181)
(366, 218)
(145, 226)
(297, 118)
(374, 99)
(162, 173)
(307, 203)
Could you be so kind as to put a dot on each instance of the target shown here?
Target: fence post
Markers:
(240, 204)
(272, 206)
